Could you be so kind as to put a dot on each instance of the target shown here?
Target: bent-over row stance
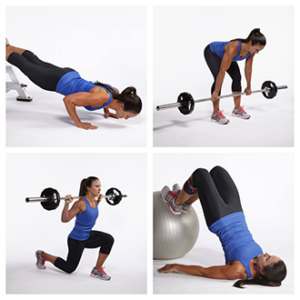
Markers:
(77, 91)
(224, 216)
(82, 236)
(222, 57)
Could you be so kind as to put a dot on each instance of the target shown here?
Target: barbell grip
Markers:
(177, 104)
(44, 199)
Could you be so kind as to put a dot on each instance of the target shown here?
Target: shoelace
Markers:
(172, 193)
(241, 108)
(220, 113)
(102, 270)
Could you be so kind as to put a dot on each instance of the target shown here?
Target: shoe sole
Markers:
(213, 120)
(37, 258)
(241, 117)
(173, 211)
(99, 277)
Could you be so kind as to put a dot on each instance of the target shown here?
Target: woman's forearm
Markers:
(65, 213)
(248, 75)
(219, 81)
(190, 270)
(71, 109)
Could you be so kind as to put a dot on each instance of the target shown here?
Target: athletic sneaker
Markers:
(40, 262)
(240, 112)
(169, 197)
(100, 273)
(219, 118)
(176, 188)
(185, 207)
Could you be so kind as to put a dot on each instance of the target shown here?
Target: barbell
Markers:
(186, 103)
(50, 198)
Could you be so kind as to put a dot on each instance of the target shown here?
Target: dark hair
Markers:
(132, 102)
(255, 36)
(273, 276)
(86, 182)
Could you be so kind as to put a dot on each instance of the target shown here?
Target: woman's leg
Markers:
(214, 63)
(45, 78)
(236, 87)
(104, 241)
(226, 188)
(201, 185)
(75, 252)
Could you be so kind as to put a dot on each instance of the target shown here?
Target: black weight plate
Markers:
(272, 89)
(53, 198)
(117, 196)
(187, 103)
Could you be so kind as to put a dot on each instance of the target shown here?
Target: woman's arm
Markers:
(67, 215)
(217, 272)
(229, 54)
(248, 73)
(82, 99)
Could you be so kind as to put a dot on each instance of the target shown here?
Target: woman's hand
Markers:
(70, 199)
(167, 269)
(248, 91)
(100, 198)
(86, 125)
(215, 96)
(108, 114)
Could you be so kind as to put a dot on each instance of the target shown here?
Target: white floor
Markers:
(45, 122)
(271, 124)
(24, 278)
(177, 283)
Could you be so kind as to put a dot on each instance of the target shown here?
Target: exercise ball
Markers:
(173, 235)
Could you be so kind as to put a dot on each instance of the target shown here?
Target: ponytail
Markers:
(273, 276)
(255, 36)
(132, 102)
(259, 281)
(86, 182)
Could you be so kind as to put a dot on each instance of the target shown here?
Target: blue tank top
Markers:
(237, 241)
(85, 221)
(72, 83)
(219, 49)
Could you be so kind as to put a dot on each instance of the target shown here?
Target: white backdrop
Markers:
(266, 187)
(102, 43)
(180, 36)
(30, 227)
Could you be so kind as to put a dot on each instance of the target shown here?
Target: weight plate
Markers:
(53, 198)
(272, 89)
(116, 196)
(187, 103)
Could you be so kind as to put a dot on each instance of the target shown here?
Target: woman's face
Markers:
(122, 114)
(256, 48)
(266, 260)
(95, 189)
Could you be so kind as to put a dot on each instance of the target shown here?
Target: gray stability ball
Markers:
(173, 235)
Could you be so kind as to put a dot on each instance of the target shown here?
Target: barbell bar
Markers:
(186, 102)
(50, 198)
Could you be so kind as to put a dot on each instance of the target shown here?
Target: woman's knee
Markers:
(217, 170)
(200, 173)
(70, 269)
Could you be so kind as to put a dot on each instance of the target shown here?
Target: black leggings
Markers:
(217, 192)
(43, 74)
(97, 239)
(214, 63)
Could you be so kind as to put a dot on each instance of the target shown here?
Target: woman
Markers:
(224, 216)
(77, 91)
(82, 236)
(222, 57)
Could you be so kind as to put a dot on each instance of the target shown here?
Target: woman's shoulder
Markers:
(238, 269)
(232, 47)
